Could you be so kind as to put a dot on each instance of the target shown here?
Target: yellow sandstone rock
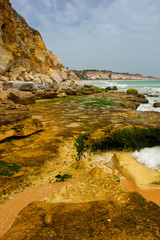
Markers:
(137, 173)
(22, 50)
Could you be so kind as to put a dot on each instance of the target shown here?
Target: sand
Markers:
(10, 210)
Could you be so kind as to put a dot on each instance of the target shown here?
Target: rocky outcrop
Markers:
(22, 97)
(137, 173)
(23, 54)
(16, 121)
(156, 105)
(54, 151)
(109, 75)
(126, 218)
(71, 75)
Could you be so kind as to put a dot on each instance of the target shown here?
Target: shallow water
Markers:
(144, 87)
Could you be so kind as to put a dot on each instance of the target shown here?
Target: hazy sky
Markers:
(117, 35)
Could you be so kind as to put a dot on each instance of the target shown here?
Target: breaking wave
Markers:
(150, 157)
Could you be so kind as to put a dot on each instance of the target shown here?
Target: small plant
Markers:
(116, 177)
(62, 178)
(79, 144)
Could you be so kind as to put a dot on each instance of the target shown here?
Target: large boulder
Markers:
(21, 97)
(135, 220)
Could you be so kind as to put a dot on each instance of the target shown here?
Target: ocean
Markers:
(150, 88)
(150, 157)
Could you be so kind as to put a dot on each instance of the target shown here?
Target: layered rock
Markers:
(22, 97)
(16, 121)
(111, 215)
(109, 75)
(53, 152)
(23, 54)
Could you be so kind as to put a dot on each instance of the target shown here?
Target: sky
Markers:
(117, 35)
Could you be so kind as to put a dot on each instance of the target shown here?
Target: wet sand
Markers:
(149, 194)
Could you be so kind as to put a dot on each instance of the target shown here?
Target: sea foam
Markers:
(150, 157)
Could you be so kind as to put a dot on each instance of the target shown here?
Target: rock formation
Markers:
(109, 75)
(156, 105)
(133, 170)
(110, 216)
(16, 121)
(23, 54)
(95, 206)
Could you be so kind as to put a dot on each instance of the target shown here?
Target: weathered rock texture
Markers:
(101, 220)
(21, 97)
(137, 173)
(44, 155)
(16, 121)
(23, 54)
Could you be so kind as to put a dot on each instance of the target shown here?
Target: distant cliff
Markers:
(108, 75)
(23, 54)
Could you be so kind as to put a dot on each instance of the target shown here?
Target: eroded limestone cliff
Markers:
(109, 75)
(23, 54)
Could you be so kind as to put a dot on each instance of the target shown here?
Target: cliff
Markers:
(109, 75)
(23, 54)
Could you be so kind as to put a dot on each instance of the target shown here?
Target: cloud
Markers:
(122, 35)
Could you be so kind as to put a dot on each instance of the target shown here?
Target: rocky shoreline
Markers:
(51, 133)
(59, 149)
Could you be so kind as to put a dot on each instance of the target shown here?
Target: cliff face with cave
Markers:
(23, 54)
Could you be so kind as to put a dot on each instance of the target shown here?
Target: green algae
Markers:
(132, 138)
(129, 138)
(132, 91)
(99, 102)
(8, 169)
(135, 138)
